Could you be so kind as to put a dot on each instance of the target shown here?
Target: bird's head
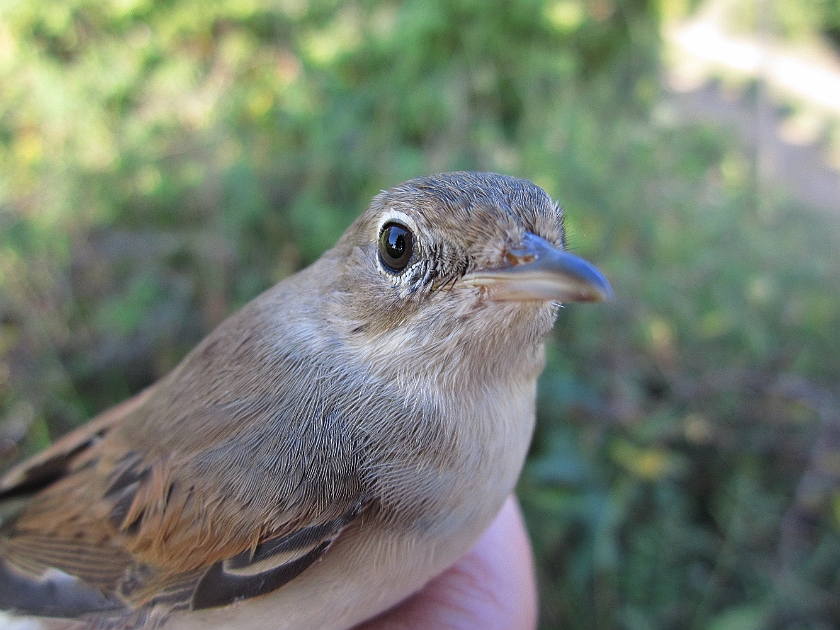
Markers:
(458, 263)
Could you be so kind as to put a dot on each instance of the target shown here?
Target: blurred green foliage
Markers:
(162, 161)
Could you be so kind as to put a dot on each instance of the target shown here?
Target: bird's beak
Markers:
(537, 270)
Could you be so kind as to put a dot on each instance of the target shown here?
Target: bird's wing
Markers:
(116, 531)
(39, 471)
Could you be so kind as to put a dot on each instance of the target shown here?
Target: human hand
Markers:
(491, 588)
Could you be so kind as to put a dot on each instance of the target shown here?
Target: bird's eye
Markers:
(396, 244)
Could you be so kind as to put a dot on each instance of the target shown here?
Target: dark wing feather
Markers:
(271, 565)
(219, 588)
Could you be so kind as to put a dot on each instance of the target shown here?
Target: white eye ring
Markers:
(400, 278)
(395, 216)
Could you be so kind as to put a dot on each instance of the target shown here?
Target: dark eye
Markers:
(396, 244)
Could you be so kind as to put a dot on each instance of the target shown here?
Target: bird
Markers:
(326, 450)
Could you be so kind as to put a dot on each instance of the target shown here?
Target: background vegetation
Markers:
(163, 161)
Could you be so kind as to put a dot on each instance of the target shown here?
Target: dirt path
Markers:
(783, 104)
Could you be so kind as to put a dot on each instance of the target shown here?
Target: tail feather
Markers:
(54, 594)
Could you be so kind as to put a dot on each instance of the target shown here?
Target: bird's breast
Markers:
(458, 458)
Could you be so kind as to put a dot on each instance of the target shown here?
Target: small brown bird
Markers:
(326, 450)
